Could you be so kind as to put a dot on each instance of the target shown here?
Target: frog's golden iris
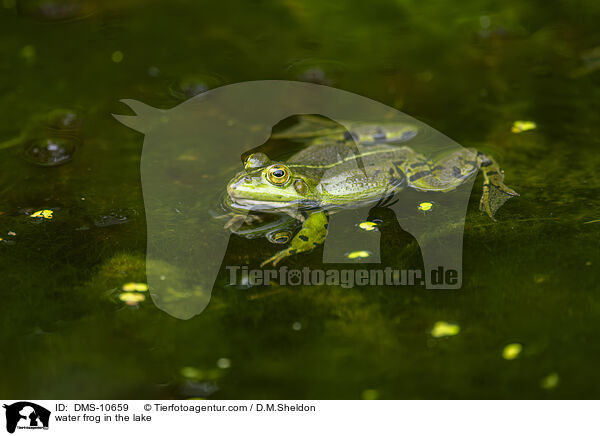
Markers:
(278, 174)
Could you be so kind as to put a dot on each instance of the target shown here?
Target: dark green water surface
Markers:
(469, 71)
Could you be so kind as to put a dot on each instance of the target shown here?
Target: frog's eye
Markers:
(280, 237)
(278, 174)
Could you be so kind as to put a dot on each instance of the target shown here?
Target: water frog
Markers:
(331, 174)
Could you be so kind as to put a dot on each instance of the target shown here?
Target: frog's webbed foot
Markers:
(495, 192)
(312, 234)
(238, 220)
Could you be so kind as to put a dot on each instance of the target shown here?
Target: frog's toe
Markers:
(508, 191)
(275, 259)
(234, 222)
(484, 203)
(493, 198)
(268, 261)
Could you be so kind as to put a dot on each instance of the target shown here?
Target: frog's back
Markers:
(344, 175)
(336, 154)
(321, 154)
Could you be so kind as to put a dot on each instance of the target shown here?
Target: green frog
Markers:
(331, 173)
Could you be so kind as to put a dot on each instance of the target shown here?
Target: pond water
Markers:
(77, 321)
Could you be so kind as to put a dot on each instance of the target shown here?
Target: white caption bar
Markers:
(301, 417)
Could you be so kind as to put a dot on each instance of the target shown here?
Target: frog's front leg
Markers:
(495, 192)
(238, 219)
(312, 233)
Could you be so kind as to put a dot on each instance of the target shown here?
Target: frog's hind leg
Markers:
(312, 234)
(443, 175)
(309, 126)
(495, 192)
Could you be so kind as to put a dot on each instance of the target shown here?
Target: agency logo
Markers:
(26, 415)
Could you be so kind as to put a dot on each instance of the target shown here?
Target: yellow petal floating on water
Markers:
(368, 226)
(29, 54)
(550, 381)
(191, 372)
(369, 394)
(45, 213)
(523, 126)
(132, 298)
(512, 351)
(135, 287)
(117, 56)
(442, 329)
(358, 254)
(426, 206)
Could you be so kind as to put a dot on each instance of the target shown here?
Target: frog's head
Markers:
(267, 185)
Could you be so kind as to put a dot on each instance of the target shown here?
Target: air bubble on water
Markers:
(113, 218)
(63, 120)
(50, 151)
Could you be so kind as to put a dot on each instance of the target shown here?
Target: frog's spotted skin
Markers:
(331, 174)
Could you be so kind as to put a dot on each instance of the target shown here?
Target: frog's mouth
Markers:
(243, 201)
(258, 204)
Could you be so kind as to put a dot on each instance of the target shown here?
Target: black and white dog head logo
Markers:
(26, 415)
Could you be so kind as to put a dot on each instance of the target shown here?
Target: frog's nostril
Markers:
(247, 179)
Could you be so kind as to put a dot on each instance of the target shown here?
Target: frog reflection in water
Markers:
(330, 175)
